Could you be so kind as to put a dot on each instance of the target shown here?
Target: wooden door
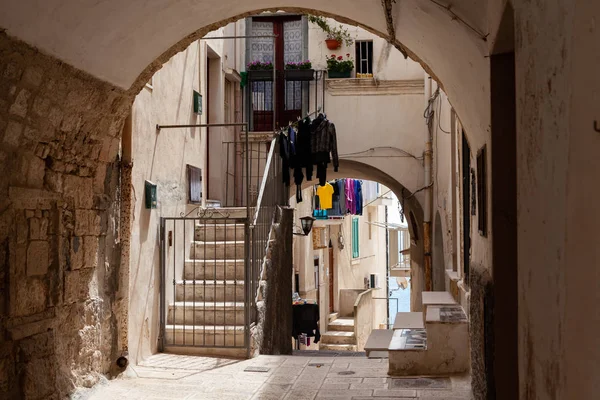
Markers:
(331, 280)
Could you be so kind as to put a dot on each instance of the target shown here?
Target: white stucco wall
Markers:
(161, 157)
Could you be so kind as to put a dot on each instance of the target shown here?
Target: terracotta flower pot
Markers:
(333, 44)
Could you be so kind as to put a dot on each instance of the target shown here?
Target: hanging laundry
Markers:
(349, 189)
(323, 146)
(358, 198)
(285, 152)
(342, 210)
(335, 200)
(325, 194)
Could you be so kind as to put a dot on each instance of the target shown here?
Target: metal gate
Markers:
(205, 298)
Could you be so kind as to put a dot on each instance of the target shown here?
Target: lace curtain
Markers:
(262, 50)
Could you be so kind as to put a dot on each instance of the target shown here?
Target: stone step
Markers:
(333, 316)
(341, 324)
(337, 347)
(219, 250)
(219, 232)
(206, 313)
(338, 337)
(209, 290)
(204, 335)
(214, 269)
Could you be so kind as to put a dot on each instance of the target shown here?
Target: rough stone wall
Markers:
(59, 213)
(274, 327)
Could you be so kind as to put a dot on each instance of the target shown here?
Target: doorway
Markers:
(289, 47)
(466, 205)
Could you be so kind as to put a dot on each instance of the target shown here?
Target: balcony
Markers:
(275, 98)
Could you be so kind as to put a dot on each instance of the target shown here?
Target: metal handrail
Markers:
(263, 184)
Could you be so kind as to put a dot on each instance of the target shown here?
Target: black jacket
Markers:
(306, 318)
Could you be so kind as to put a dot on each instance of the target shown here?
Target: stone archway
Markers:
(413, 212)
(64, 96)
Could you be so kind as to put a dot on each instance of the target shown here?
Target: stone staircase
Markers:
(339, 335)
(208, 309)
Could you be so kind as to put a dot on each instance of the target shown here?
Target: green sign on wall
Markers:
(197, 103)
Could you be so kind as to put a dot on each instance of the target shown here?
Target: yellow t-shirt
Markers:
(325, 193)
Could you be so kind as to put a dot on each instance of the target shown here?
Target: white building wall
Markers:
(161, 157)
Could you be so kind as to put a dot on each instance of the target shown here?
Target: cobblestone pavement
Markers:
(166, 376)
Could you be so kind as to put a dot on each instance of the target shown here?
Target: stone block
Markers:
(76, 253)
(39, 345)
(28, 297)
(71, 123)
(80, 189)
(40, 378)
(12, 71)
(41, 106)
(85, 221)
(33, 76)
(77, 285)
(110, 146)
(55, 116)
(12, 135)
(53, 181)
(19, 106)
(35, 172)
(38, 253)
(90, 257)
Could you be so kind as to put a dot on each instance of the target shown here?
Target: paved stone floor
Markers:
(166, 376)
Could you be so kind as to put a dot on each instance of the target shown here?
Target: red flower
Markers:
(340, 58)
(347, 54)
(333, 56)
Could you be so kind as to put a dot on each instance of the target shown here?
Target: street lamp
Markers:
(306, 223)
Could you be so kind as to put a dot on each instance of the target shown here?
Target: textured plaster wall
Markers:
(59, 213)
(160, 157)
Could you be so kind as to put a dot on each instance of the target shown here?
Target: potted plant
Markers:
(338, 67)
(260, 71)
(335, 35)
(299, 71)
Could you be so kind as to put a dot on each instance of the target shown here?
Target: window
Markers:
(355, 238)
(194, 184)
(364, 57)
(228, 101)
(482, 191)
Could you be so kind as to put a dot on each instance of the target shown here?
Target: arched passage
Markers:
(413, 212)
(64, 105)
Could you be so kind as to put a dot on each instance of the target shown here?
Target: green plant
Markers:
(259, 66)
(299, 65)
(338, 64)
(338, 33)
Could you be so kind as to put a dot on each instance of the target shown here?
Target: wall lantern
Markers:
(306, 223)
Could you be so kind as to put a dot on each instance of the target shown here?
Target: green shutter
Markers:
(355, 238)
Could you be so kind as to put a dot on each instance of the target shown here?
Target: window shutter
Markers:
(194, 184)
(355, 238)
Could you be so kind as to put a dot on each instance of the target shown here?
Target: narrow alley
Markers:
(298, 377)
(299, 199)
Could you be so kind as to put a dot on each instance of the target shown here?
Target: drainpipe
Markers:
(122, 297)
(427, 159)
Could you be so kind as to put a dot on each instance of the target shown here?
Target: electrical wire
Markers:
(372, 149)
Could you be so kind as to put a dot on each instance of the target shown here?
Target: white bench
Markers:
(409, 320)
(436, 299)
(378, 343)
